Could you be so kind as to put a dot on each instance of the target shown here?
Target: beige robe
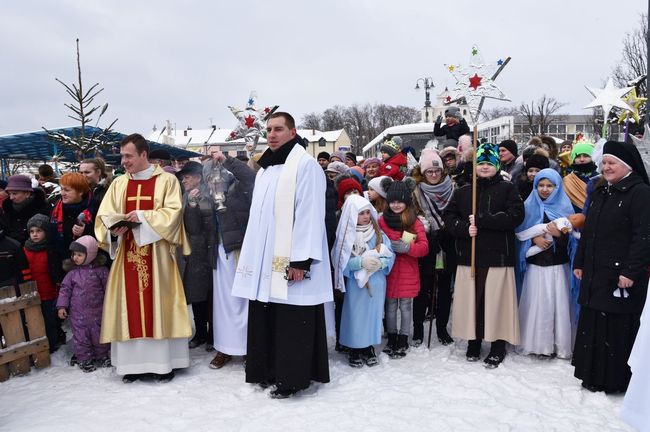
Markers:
(165, 225)
(501, 314)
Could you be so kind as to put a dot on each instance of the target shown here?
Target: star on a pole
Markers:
(475, 82)
(252, 122)
(636, 103)
(609, 97)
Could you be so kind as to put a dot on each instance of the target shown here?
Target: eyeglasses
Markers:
(433, 172)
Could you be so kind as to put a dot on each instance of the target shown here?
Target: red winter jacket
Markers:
(394, 167)
(404, 279)
(39, 265)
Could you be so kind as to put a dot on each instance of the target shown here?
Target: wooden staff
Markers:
(475, 145)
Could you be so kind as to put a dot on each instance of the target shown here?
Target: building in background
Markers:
(205, 140)
(563, 127)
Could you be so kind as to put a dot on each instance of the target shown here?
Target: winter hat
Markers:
(191, 168)
(377, 185)
(337, 167)
(357, 172)
(399, 191)
(39, 221)
(488, 153)
(628, 154)
(449, 153)
(18, 183)
(537, 161)
(346, 185)
(464, 142)
(339, 155)
(87, 245)
(370, 161)
(511, 146)
(390, 147)
(581, 147)
(351, 156)
(453, 112)
(429, 158)
(323, 155)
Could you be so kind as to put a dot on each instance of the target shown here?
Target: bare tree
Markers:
(333, 118)
(496, 112)
(311, 121)
(540, 114)
(634, 61)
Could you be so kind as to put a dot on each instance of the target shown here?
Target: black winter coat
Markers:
(196, 268)
(331, 199)
(453, 132)
(14, 222)
(233, 222)
(499, 212)
(615, 241)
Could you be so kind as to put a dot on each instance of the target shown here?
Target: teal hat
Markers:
(488, 153)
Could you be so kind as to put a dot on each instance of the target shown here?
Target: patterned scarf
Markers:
(434, 199)
(82, 208)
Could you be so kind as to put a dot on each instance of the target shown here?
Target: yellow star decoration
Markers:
(451, 68)
(636, 103)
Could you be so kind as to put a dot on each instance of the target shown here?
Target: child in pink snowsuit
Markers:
(82, 298)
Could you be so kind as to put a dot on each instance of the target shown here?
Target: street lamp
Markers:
(428, 84)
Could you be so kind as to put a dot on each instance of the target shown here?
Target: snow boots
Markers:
(473, 350)
(496, 355)
(369, 357)
(354, 358)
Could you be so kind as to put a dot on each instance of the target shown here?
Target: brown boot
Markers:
(220, 360)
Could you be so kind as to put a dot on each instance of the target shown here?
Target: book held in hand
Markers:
(115, 221)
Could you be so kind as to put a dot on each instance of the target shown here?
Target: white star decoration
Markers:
(476, 82)
(609, 97)
(252, 122)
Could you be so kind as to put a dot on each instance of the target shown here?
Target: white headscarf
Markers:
(346, 234)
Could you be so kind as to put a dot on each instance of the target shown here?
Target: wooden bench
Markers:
(22, 331)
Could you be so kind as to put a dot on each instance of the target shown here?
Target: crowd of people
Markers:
(548, 256)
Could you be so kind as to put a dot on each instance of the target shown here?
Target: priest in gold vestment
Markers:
(145, 315)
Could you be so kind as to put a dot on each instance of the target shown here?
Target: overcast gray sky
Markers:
(186, 61)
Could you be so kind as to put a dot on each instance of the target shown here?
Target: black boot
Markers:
(354, 358)
(391, 346)
(402, 346)
(368, 355)
(496, 355)
(418, 334)
(444, 338)
(473, 350)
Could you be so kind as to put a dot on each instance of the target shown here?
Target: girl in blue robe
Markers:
(361, 257)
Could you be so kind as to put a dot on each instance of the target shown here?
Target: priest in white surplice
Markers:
(145, 315)
(284, 267)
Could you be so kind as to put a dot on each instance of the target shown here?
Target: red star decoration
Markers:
(250, 121)
(233, 134)
(475, 81)
(267, 109)
(448, 99)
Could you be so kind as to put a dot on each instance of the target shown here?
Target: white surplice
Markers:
(146, 355)
(636, 405)
(309, 239)
(230, 313)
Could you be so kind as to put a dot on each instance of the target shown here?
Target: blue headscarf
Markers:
(557, 205)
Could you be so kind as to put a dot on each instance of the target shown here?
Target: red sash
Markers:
(138, 267)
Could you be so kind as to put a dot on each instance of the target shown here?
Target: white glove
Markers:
(371, 264)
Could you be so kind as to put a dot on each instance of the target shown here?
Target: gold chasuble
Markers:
(144, 295)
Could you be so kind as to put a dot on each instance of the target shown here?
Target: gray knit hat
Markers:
(39, 221)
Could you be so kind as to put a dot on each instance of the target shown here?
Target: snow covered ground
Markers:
(432, 390)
